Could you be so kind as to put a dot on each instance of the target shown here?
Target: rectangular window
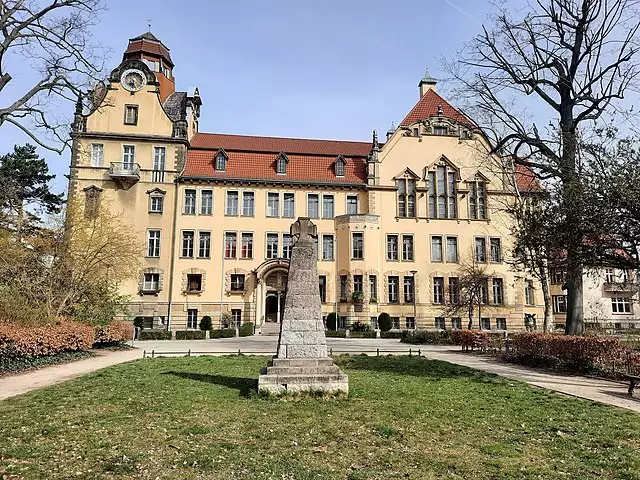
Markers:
(204, 245)
(130, 114)
(206, 202)
(440, 131)
(187, 243)
(393, 289)
(237, 282)
(357, 245)
(316, 252)
(352, 204)
(236, 317)
(272, 245)
(408, 289)
(442, 193)
(620, 305)
(528, 292)
(287, 245)
(322, 283)
(485, 323)
(454, 290)
(192, 318)
(151, 282)
(484, 292)
(374, 322)
(392, 247)
(247, 245)
(194, 282)
(373, 287)
(159, 154)
(289, 209)
(439, 323)
(407, 248)
(248, 204)
(558, 275)
(498, 291)
(327, 206)
(438, 290)
(559, 303)
(230, 244)
(406, 197)
(156, 203)
(410, 323)
(232, 204)
(436, 249)
(327, 247)
(128, 157)
(273, 204)
(358, 283)
(452, 249)
(496, 250)
(153, 243)
(189, 206)
(481, 250)
(456, 323)
(395, 323)
(477, 200)
(97, 155)
(609, 275)
(312, 206)
(343, 288)
(501, 323)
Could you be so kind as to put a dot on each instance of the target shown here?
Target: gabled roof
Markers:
(427, 107)
(526, 180)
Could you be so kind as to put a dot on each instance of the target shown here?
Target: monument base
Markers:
(298, 375)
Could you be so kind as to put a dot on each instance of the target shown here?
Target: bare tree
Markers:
(53, 38)
(572, 60)
(469, 291)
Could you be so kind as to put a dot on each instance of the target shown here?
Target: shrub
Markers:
(357, 296)
(113, 334)
(205, 323)
(332, 322)
(51, 339)
(478, 339)
(155, 335)
(138, 322)
(389, 334)
(222, 333)
(579, 354)
(191, 335)
(427, 337)
(359, 327)
(335, 334)
(246, 330)
(384, 322)
(366, 334)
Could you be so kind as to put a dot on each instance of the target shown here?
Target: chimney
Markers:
(427, 83)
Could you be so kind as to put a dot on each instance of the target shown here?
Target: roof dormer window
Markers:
(221, 161)
(340, 163)
(281, 164)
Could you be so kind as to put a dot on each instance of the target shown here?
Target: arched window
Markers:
(221, 161)
(340, 167)
(442, 192)
(281, 164)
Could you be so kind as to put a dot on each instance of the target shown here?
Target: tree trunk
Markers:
(546, 295)
(575, 314)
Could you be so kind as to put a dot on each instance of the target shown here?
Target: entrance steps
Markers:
(270, 329)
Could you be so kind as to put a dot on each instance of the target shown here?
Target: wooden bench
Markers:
(634, 380)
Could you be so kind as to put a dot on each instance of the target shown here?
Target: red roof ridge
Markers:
(304, 139)
(427, 106)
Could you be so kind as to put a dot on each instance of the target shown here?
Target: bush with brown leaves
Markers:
(54, 338)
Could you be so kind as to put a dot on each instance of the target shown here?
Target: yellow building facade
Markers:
(398, 221)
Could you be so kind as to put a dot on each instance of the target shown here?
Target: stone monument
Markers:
(302, 363)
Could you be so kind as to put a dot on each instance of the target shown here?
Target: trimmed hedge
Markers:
(335, 333)
(478, 339)
(367, 334)
(113, 334)
(222, 333)
(154, 335)
(191, 335)
(427, 337)
(574, 353)
(390, 334)
(52, 339)
(246, 330)
(384, 322)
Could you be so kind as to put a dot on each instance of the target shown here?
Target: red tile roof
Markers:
(526, 180)
(427, 107)
(148, 46)
(254, 158)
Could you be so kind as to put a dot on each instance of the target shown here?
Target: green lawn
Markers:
(193, 418)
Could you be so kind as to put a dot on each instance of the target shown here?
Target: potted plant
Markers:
(373, 300)
(357, 297)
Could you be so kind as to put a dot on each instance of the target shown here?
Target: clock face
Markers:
(133, 80)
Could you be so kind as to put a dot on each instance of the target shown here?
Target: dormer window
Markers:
(340, 163)
(221, 161)
(281, 164)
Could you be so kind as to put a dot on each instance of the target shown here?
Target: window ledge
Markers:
(149, 292)
(193, 292)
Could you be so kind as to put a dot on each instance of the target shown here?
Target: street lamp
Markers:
(415, 315)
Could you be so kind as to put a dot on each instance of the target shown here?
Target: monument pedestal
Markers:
(302, 363)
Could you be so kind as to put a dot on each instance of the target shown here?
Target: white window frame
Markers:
(158, 240)
(233, 254)
(386, 245)
(133, 157)
(277, 209)
(317, 195)
(442, 249)
(158, 173)
(253, 208)
(182, 243)
(333, 205)
(200, 233)
(202, 204)
(284, 213)
(226, 203)
(156, 196)
(332, 256)
(346, 203)
(353, 257)
(457, 256)
(100, 162)
(621, 306)
(266, 244)
(184, 201)
(242, 235)
(151, 286)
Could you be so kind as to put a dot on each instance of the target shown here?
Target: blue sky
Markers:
(325, 69)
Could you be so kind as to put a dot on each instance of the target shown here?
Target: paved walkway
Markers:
(612, 393)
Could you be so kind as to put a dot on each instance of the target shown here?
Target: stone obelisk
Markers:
(302, 363)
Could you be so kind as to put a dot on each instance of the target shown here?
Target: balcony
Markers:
(621, 287)
(125, 174)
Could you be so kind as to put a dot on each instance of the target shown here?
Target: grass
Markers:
(199, 418)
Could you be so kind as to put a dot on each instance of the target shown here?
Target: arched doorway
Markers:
(274, 307)
(271, 289)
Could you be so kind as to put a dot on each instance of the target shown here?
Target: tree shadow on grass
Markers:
(246, 386)
(415, 366)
